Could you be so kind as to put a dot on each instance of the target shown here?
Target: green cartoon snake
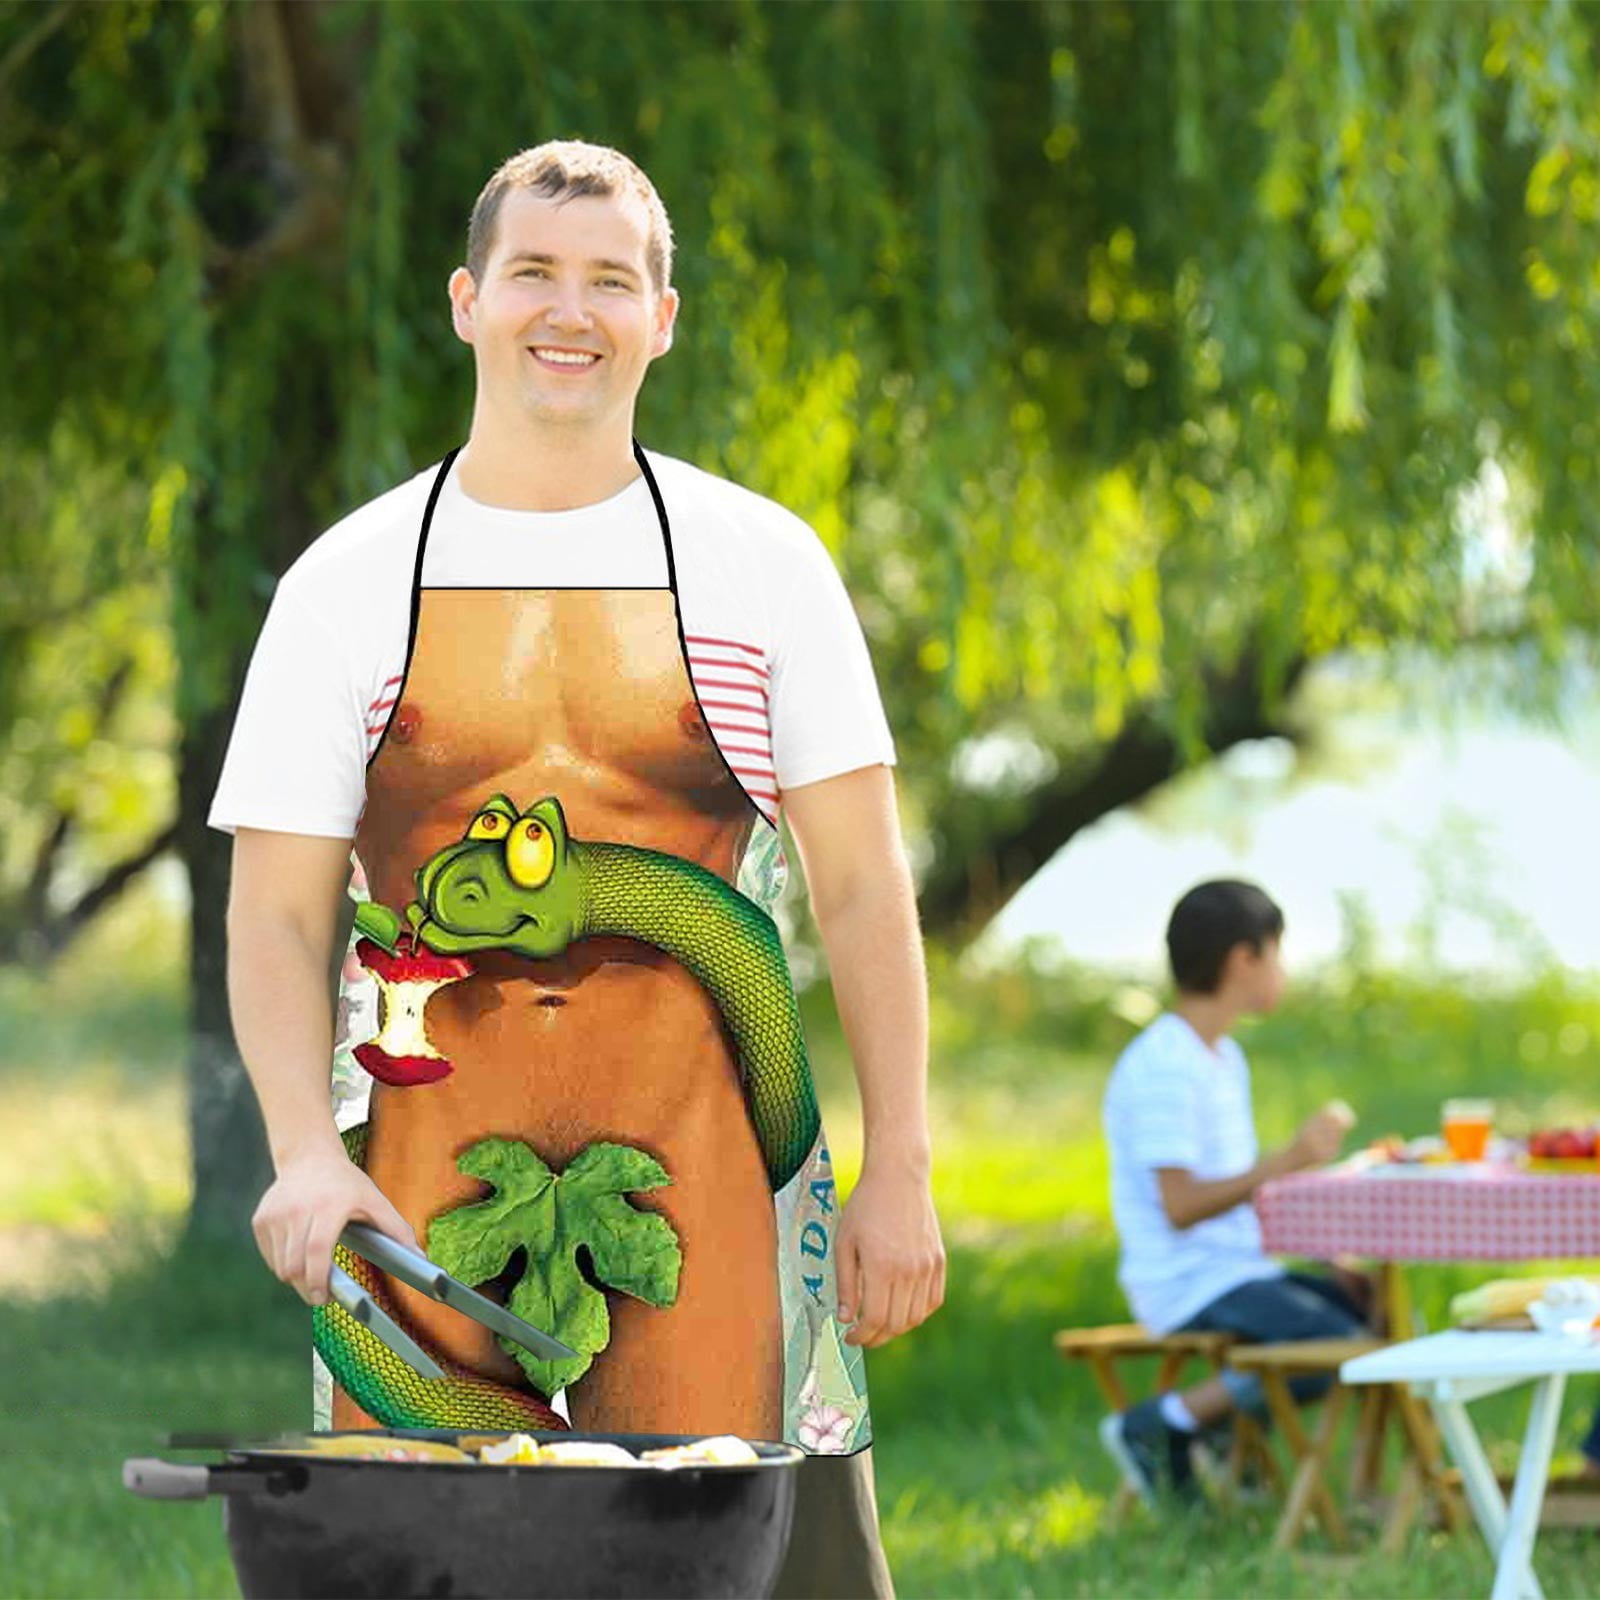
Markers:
(519, 881)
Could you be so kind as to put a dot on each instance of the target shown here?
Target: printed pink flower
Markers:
(824, 1430)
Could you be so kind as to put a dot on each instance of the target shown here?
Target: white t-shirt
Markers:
(1172, 1101)
(776, 654)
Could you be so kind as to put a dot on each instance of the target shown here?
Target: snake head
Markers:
(508, 883)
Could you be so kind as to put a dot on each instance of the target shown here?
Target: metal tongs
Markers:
(388, 1255)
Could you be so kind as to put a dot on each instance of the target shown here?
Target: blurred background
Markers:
(1199, 399)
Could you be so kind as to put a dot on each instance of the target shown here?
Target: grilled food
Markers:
(521, 1449)
(370, 1447)
(726, 1450)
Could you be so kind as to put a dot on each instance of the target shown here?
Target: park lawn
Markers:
(991, 1480)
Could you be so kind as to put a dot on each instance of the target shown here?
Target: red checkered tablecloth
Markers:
(1483, 1213)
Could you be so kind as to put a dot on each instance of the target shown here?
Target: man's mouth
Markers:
(548, 355)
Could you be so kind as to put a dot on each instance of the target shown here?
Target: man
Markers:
(557, 683)
(1184, 1166)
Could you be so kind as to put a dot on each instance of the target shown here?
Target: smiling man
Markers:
(549, 699)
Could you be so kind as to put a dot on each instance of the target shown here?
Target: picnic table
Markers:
(1398, 1213)
(1395, 1213)
(1456, 1367)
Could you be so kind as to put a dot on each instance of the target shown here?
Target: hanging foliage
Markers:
(1128, 355)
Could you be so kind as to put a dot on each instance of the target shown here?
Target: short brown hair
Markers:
(565, 169)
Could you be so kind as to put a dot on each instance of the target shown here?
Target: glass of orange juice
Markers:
(1466, 1126)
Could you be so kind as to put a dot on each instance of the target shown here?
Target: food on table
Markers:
(1570, 1307)
(1507, 1297)
(1563, 1144)
(1429, 1149)
(1466, 1125)
(726, 1450)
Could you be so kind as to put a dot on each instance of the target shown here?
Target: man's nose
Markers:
(568, 309)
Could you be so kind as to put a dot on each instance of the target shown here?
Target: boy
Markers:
(1184, 1167)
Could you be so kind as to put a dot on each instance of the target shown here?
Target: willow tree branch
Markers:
(976, 872)
(65, 927)
(35, 899)
(17, 56)
(313, 170)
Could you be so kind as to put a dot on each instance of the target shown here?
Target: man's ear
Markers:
(666, 322)
(463, 292)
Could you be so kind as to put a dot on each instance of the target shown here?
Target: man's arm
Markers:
(1187, 1199)
(283, 910)
(890, 1258)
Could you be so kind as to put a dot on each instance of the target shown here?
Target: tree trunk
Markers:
(987, 852)
(231, 1163)
(291, 116)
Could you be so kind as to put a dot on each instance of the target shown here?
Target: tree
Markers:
(1129, 356)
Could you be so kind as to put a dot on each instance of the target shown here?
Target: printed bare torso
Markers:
(583, 695)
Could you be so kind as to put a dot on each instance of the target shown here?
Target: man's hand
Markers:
(890, 1258)
(1320, 1136)
(302, 1215)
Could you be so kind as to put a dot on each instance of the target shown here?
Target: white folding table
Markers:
(1454, 1368)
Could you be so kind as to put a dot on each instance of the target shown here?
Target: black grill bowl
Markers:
(306, 1527)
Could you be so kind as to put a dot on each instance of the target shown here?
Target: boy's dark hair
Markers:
(1209, 921)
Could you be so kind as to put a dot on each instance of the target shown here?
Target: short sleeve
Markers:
(296, 760)
(1161, 1120)
(826, 714)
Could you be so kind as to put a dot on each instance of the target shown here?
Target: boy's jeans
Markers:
(1299, 1305)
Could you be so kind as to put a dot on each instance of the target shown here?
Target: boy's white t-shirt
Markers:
(1172, 1101)
(776, 653)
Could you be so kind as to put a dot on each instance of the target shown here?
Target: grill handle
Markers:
(155, 1479)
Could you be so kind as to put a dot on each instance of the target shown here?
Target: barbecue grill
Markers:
(303, 1526)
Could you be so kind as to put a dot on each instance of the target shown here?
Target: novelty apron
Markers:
(590, 1094)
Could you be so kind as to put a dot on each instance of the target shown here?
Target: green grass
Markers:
(991, 1481)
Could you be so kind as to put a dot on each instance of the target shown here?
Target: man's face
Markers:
(566, 319)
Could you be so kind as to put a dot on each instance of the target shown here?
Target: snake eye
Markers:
(489, 825)
(530, 854)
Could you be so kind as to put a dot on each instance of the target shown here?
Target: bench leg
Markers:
(1249, 1444)
(1423, 1451)
(1309, 1490)
(1115, 1393)
(1366, 1460)
(1257, 1449)
(1109, 1380)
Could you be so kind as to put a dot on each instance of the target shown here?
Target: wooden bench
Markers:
(1424, 1472)
(1104, 1349)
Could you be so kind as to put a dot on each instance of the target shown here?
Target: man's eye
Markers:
(615, 283)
